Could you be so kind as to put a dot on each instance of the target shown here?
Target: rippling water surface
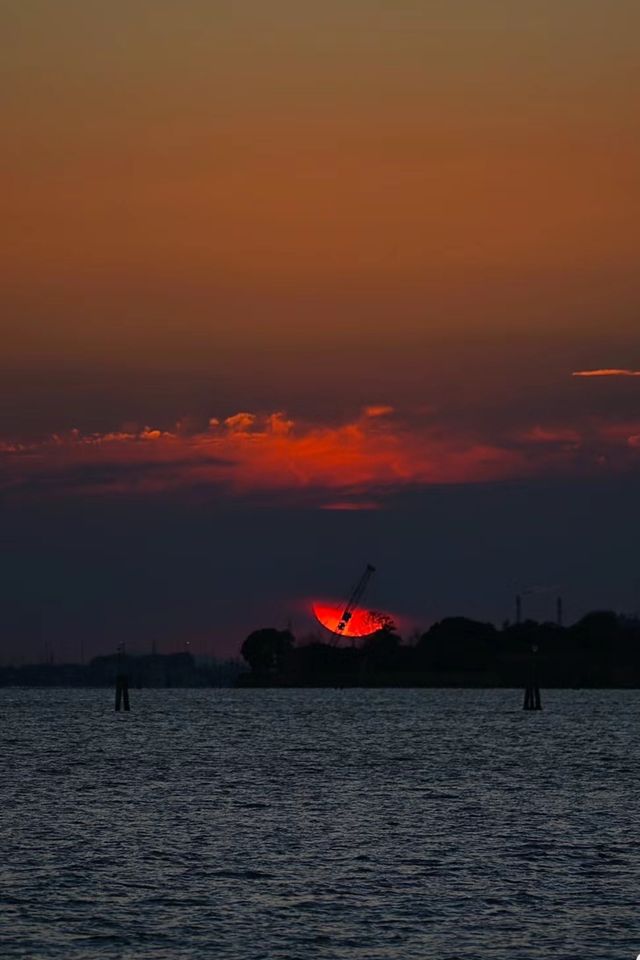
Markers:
(369, 824)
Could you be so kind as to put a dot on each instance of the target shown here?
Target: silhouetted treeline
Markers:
(156, 670)
(600, 650)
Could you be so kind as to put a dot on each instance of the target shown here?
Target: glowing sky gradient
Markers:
(322, 258)
(186, 180)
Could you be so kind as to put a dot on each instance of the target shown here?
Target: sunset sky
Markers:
(291, 287)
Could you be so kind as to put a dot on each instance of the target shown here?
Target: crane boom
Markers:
(354, 599)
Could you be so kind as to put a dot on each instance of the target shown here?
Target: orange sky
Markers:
(259, 256)
(261, 206)
(185, 179)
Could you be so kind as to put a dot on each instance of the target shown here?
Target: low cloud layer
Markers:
(353, 465)
(606, 372)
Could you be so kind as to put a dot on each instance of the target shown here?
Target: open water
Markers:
(286, 825)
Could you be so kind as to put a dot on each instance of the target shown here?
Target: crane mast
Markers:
(354, 599)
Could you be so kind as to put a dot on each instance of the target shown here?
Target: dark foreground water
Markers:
(333, 824)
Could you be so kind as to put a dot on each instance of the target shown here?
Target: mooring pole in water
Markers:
(532, 689)
(122, 681)
(122, 691)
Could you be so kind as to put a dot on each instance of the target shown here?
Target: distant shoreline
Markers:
(315, 686)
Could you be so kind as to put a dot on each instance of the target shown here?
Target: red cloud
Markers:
(347, 466)
(565, 436)
(379, 410)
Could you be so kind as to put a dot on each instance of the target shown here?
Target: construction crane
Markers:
(355, 598)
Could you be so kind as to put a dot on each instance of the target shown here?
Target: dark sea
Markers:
(295, 824)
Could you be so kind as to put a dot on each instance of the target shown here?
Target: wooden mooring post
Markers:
(122, 691)
(122, 682)
(532, 689)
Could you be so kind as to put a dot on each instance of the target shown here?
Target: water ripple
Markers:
(286, 825)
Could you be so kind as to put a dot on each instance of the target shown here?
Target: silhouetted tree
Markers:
(384, 623)
(597, 627)
(380, 649)
(601, 649)
(595, 640)
(318, 663)
(457, 643)
(266, 650)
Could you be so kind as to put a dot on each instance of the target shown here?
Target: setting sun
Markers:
(361, 624)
